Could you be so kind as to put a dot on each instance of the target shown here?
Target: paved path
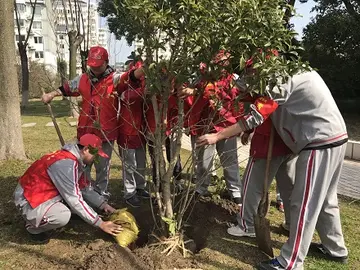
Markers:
(349, 184)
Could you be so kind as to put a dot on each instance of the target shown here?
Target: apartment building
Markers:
(42, 39)
(82, 17)
(48, 38)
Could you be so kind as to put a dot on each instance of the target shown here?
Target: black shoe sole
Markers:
(132, 205)
(319, 250)
(141, 196)
(36, 241)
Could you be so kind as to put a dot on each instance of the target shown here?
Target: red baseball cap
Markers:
(97, 56)
(94, 142)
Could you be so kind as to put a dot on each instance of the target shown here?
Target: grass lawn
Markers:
(68, 252)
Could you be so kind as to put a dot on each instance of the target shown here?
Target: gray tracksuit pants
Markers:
(133, 165)
(283, 169)
(57, 216)
(227, 151)
(314, 205)
(102, 168)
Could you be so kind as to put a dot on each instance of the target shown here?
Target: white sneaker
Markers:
(237, 231)
(285, 226)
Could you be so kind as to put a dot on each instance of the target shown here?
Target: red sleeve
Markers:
(130, 95)
(122, 86)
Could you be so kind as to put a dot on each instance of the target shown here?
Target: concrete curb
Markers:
(353, 150)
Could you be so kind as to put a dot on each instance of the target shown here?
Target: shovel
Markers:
(262, 225)
(55, 123)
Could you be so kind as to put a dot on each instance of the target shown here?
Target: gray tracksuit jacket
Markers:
(65, 174)
(307, 116)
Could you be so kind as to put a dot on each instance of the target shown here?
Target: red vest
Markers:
(260, 142)
(131, 116)
(37, 184)
(230, 110)
(99, 108)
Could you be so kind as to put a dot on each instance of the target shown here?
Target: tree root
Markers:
(176, 241)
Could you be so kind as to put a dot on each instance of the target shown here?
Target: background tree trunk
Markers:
(74, 107)
(24, 76)
(11, 140)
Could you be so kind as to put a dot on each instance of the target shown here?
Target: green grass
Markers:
(67, 252)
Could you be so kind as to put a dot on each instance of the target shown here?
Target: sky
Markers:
(119, 50)
(304, 17)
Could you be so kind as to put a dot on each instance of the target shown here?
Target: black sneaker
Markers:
(270, 265)
(320, 249)
(134, 201)
(237, 200)
(40, 238)
(177, 176)
(142, 193)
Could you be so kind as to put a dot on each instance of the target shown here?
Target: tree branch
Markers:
(65, 15)
(71, 15)
(83, 27)
(88, 27)
(350, 9)
(17, 21)
(31, 22)
(288, 15)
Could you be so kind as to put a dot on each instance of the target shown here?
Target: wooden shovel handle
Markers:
(55, 123)
(268, 160)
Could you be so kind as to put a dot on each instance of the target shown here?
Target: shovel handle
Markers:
(267, 169)
(55, 123)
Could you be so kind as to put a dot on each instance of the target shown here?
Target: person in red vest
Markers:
(54, 186)
(130, 139)
(99, 108)
(213, 107)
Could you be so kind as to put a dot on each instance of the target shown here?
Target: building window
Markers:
(61, 37)
(37, 10)
(39, 55)
(37, 25)
(62, 46)
(22, 37)
(21, 7)
(38, 40)
(21, 22)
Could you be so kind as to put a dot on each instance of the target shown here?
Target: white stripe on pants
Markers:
(314, 204)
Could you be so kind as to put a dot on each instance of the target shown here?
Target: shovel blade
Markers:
(262, 231)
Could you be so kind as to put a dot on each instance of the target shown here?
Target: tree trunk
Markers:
(62, 71)
(74, 107)
(24, 76)
(11, 140)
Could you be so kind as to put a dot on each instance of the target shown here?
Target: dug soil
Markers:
(204, 215)
(81, 246)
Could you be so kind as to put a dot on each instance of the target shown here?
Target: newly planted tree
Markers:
(179, 37)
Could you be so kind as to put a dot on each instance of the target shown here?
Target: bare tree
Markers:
(75, 38)
(11, 140)
(22, 47)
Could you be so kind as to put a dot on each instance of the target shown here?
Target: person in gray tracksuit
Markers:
(53, 188)
(310, 123)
